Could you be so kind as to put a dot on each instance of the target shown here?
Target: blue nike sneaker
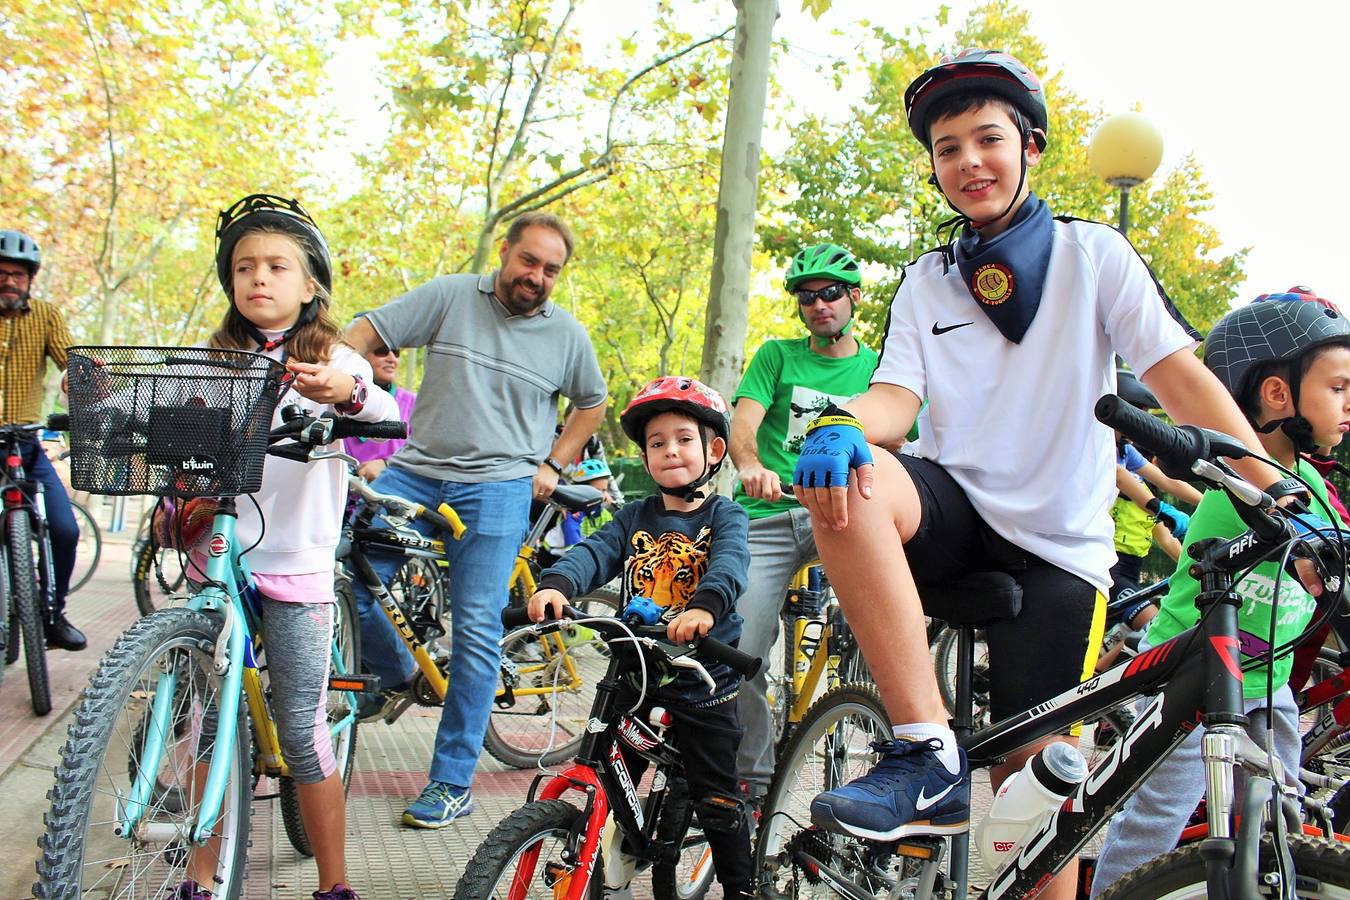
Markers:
(908, 792)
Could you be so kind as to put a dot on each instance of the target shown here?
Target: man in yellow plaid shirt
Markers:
(31, 332)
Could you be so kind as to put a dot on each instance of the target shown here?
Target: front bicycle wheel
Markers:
(89, 549)
(1321, 870)
(24, 589)
(4, 611)
(831, 747)
(528, 856)
(552, 685)
(86, 848)
(346, 659)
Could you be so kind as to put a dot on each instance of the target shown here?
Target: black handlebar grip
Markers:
(344, 428)
(515, 617)
(58, 422)
(1176, 449)
(738, 660)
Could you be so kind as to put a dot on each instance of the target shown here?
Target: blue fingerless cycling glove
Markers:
(834, 444)
(1176, 521)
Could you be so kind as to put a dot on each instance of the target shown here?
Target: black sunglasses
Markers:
(829, 294)
(385, 351)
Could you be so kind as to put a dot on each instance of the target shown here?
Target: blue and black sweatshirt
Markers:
(681, 560)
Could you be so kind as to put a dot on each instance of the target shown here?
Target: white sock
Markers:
(922, 731)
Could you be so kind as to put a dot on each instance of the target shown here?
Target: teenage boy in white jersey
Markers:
(1009, 332)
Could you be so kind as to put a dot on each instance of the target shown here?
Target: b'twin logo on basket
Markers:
(193, 464)
(219, 546)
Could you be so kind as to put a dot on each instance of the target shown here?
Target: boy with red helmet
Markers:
(684, 548)
(1009, 332)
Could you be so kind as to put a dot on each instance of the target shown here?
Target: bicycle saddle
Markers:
(576, 497)
(979, 599)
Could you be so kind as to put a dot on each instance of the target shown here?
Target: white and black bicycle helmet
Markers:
(1273, 332)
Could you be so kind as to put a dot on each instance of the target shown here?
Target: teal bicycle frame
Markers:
(228, 589)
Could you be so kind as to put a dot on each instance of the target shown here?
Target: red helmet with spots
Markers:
(675, 392)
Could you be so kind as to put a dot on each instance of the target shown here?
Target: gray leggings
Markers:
(296, 640)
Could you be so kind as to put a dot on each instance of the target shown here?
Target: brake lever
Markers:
(689, 662)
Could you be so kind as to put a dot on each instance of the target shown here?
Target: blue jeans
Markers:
(65, 533)
(496, 515)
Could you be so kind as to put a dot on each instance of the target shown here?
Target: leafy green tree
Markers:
(128, 126)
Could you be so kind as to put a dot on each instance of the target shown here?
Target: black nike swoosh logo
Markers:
(943, 329)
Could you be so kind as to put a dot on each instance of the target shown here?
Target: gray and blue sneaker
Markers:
(440, 804)
(908, 792)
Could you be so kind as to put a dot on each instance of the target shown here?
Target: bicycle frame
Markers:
(228, 589)
(600, 774)
(1197, 679)
(16, 482)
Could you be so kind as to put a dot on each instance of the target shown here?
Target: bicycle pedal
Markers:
(916, 848)
(364, 684)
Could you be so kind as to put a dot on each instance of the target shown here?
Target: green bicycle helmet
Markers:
(823, 261)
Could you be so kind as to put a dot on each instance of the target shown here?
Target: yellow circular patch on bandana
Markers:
(992, 283)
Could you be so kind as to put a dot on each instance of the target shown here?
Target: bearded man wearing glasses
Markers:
(786, 385)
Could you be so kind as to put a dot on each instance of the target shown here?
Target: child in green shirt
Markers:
(1288, 367)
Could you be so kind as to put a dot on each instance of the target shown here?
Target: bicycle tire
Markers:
(23, 582)
(4, 611)
(1322, 870)
(844, 722)
(89, 549)
(147, 563)
(529, 827)
(79, 850)
(520, 735)
(691, 874)
(347, 637)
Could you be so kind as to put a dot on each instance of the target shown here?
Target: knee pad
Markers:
(721, 812)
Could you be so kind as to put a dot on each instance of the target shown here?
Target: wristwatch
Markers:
(358, 400)
(553, 464)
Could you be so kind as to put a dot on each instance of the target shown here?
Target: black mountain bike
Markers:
(1194, 679)
(552, 848)
(29, 574)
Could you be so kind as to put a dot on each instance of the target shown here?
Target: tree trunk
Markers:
(725, 324)
(728, 300)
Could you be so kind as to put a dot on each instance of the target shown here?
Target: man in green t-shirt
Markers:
(786, 385)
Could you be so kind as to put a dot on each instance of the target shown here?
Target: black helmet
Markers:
(269, 211)
(18, 247)
(1268, 332)
(989, 71)
(1135, 392)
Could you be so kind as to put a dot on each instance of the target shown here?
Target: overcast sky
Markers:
(1255, 92)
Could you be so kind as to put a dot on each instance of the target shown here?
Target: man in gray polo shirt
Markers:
(499, 355)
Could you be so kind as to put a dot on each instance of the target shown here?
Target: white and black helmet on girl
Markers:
(267, 212)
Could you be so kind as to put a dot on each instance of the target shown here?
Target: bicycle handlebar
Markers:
(1177, 448)
(710, 648)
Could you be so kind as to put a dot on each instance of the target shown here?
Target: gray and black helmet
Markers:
(18, 247)
(1268, 332)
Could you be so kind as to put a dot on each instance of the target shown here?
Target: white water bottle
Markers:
(1025, 799)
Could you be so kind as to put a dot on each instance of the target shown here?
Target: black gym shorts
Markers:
(1052, 645)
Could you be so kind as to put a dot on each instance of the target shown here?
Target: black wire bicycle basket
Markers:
(177, 421)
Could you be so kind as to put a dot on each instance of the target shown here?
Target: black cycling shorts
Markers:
(1053, 644)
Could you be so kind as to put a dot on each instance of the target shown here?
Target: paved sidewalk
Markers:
(385, 861)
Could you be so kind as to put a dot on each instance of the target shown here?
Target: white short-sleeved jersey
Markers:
(1013, 423)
